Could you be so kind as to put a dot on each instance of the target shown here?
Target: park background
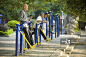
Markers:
(10, 10)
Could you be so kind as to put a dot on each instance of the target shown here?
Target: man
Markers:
(38, 21)
(23, 18)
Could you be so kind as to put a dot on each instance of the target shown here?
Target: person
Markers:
(23, 18)
(44, 25)
(38, 21)
(29, 19)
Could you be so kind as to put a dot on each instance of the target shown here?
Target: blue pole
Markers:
(0, 21)
(25, 45)
(0, 18)
(52, 27)
(21, 43)
(58, 27)
(17, 40)
(40, 33)
(49, 23)
(55, 25)
(61, 22)
(36, 34)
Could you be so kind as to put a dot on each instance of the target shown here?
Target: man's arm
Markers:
(39, 21)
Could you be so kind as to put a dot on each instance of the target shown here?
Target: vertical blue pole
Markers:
(25, 45)
(49, 23)
(0, 21)
(0, 18)
(40, 33)
(52, 27)
(55, 25)
(36, 34)
(21, 43)
(58, 26)
(61, 22)
(17, 40)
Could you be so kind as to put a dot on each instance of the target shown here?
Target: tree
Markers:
(74, 7)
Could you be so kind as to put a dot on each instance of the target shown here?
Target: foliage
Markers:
(12, 23)
(10, 9)
(74, 7)
(82, 24)
(9, 31)
(5, 30)
(76, 29)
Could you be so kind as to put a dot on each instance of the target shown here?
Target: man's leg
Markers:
(31, 37)
(34, 33)
(44, 36)
(27, 36)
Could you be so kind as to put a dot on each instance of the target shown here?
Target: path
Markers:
(47, 49)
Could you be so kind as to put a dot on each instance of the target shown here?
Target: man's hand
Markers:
(45, 22)
(28, 21)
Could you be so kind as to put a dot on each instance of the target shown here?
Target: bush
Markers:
(5, 30)
(9, 31)
(12, 23)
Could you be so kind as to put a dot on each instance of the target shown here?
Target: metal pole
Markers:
(25, 45)
(61, 22)
(40, 33)
(0, 18)
(59, 25)
(55, 25)
(21, 43)
(36, 34)
(49, 23)
(17, 40)
(52, 27)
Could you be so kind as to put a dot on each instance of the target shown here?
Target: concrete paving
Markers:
(53, 48)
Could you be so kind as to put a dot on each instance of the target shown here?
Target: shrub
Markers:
(9, 31)
(5, 30)
(12, 23)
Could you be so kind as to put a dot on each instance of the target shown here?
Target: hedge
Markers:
(9, 31)
(12, 23)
